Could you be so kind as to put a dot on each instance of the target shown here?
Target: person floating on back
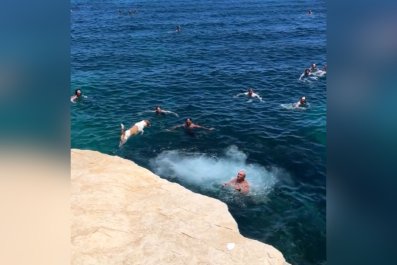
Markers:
(239, 183)
(189, 125)
(134, 130)
(250, 93)
(78, 94)
(301, 103)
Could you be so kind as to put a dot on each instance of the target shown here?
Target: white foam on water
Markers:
(288, 106)
(291, 106)
(210, 172)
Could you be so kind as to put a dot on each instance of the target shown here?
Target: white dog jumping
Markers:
(134, 130)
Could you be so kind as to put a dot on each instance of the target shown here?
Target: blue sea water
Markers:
(127, 64)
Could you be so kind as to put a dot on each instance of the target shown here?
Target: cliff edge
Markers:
(124, 214)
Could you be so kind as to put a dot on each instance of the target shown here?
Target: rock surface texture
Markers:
(124, 214)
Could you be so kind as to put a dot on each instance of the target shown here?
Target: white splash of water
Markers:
(210, 172)
(291, 106)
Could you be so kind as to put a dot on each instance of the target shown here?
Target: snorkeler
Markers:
(301, 103)
(77, 95)
(250, 93)
(134, 130)
(239, 183)
(189, 125)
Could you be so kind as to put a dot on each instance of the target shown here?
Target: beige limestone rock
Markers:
(124, 214)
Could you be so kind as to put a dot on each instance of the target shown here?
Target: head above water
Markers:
(188, 122)
(303, 100)
(307, 71)
(314, 66)
(241, 176)
(250, 91)
(78, 92)
(147, 123)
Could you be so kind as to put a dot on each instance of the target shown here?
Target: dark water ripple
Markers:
(128, 64)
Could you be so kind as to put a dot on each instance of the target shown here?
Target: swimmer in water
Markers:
(160, 111)
(306, 74)
(178, 28)
(301, 103)
(189, 125)
(77, 95)
(309, 12)
(318, 72)
(134, 130)
(313, 68)
(239, 183)
(250, 93)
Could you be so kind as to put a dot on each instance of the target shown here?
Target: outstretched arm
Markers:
(175, 127)
(202, 127)
(146, 111)
(241, 94)
(209, 129)
(170, 112)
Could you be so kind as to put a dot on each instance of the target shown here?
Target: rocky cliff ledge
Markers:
(125, 214)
